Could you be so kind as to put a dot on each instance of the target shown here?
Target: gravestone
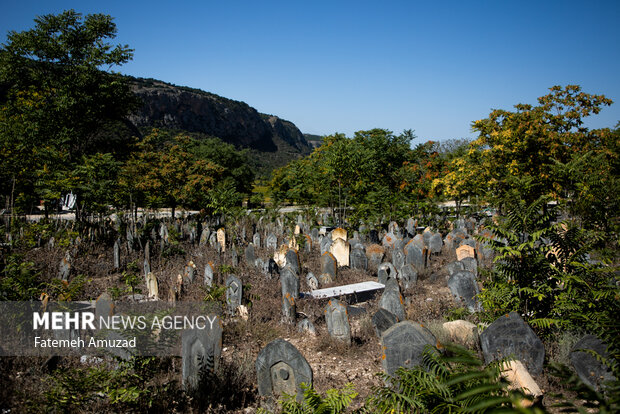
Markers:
(471, 265)
(117, 254)
(389, 240)
(375, 254)
(204, 237)
(414, 256)
(407, 276)
(201, 351)
(337, 319)
(271, 242)
(152, 286)
(104, 306)
(382, 320)
(250, 256)
(256, 239)
(435, 243)
(464, 287)
(312, 281)
(146, 268)
(290, 293)
(325, 244)
(189, 272)
(590, 370)
(398, 258)
(221, 238)
(464, 251)
(213, 240)
(340, 249)
(386, 271)
(292, 259)
(411, 226)
(280, 369)
(234, 293)
(339, 233)
(510, 336)
(314, 233)
(279, 256)
(358, 259)
(328, 265)
(454, 267)
(306, 326)
(392, 300)
(234, 257)
(418, 240)
(208, 274)
(403, 345)
(64, 269)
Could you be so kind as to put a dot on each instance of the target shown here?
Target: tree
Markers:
(55, 97)
(516, 151)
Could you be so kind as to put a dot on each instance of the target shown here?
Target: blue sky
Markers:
(343, 66)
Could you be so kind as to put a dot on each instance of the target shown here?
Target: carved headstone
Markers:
(510, 336)
(590, 370)
(271, 242)
(292, 260)
(403, 345)
(339, 233)
(386, 271)
(250, 256)
(407, 276)
(117, 254)
(375, 253)
(329, 265)
(358, 259)
(337, 319)
(471, 265)
(392, 300)
(221, 238)
(234, 293)
(290, 293)
(398, 258)
(280, 368)
(464, 287)
(64, 269)
(465, 251)
(152, 286)
(201, 350)
(435, 243)
(382, 320)
(415, 256)
(340, 249)
(208, 274)
(256, 240)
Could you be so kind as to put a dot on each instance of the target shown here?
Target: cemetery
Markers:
(279, 326)
(164, 249)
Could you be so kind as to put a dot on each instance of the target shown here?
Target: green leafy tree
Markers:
(516, 151)
(55, 97)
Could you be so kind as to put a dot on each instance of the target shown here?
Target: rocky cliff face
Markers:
(193, 110)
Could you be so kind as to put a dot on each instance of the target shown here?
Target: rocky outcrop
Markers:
(193, 110)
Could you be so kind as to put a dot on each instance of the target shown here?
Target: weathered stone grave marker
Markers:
(510, 336)
(280, 368)
(403, 345)
(234, 293)
(337, 319)
(201, 351)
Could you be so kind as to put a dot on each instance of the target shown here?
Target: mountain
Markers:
(196, 111)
